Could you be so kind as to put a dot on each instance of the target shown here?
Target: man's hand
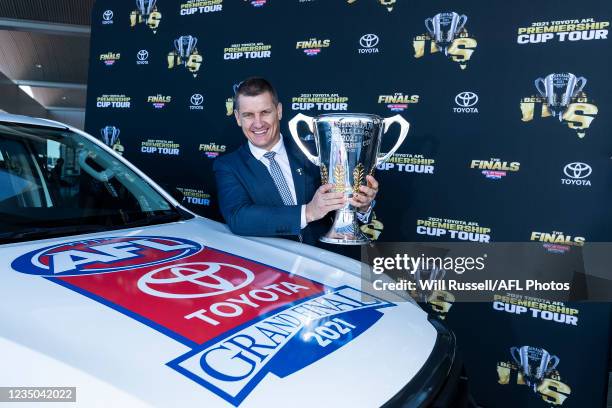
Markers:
(366, 194)
(324, 201)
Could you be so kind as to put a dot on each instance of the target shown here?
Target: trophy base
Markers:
(345, 230)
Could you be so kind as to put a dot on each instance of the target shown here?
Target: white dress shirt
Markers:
(283, 162)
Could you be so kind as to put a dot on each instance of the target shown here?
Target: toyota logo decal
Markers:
(466, 99)
(368, 40)
(195, 280)
(577, 170)
(197, 99)
(142, 55)
(107, 15)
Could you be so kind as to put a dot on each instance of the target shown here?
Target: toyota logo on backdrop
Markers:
(107, 15)
(368, 40)
(142, 55)
(197, 99)
(195, 280)
(577, 170)
(466, 99)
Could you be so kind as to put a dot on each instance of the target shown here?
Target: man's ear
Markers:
(237, 116)
(279, 109)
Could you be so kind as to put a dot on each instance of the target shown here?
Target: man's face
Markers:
(259, 119)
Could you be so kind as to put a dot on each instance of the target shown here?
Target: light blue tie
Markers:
(279, 179)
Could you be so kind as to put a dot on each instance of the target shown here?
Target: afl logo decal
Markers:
(103, 255)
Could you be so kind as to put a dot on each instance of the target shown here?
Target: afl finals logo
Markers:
(561, 96)
(446, 34)
(185, 53)
(146, 12)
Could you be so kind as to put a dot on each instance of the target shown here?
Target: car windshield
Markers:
(55, 182)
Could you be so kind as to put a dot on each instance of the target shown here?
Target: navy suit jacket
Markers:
(250, 202)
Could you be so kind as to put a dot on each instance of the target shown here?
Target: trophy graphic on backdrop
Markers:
(444, 27)
(558, 90)
(535, 363)
(185, 45)
(145, 7)
(185, 53)
(146, 11)
(347, 150)
(110, 137)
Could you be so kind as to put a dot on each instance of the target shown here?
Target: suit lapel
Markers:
(297, 171)
(260, 173)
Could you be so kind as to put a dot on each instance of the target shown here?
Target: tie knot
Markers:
(270, 155)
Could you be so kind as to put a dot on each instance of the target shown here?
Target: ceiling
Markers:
(58, 11)
(44, 44)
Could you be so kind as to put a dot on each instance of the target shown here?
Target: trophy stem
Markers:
(345, 230)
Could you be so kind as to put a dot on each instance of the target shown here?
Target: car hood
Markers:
(188, 313)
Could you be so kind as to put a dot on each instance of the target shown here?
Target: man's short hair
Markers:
(255, 86)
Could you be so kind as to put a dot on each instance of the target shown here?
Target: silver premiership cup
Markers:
(535, 363)
(559, 89)
(348, 147)
(444, 27)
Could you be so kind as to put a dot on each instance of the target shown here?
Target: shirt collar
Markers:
(278, 148)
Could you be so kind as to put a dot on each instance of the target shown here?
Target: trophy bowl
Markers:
(558, 89)
(348, 149)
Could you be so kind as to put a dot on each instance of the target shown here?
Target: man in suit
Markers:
(267, 187)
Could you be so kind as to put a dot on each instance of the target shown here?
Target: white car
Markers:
(109, 285)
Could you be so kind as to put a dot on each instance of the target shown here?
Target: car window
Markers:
(56, 182)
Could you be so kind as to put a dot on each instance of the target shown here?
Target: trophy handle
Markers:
(404, 128)
(581, 82)
(293, 130)
(515, 350)
(462, 20)
(537, 85)
(430, 27)
(553, 363)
